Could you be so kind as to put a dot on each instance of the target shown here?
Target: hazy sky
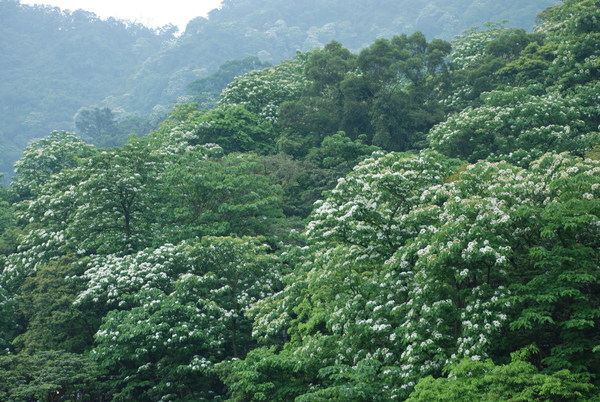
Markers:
(153, 13)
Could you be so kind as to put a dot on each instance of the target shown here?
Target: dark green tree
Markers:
(99, 126)
(51, 321)
(206, 91)
(50, 376)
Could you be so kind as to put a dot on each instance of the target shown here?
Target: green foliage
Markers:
(232, 195)
(59, 150)
(49, 376)
(572, 28)
(559, 60)
(263, 375)
(487, 59)
(110, 202)
(234, 129)
(262, 92)
(472, 380)
(562, 298)
(303, 181)
(383, 93)
(101, 206)
(178, 310)
(414, 264)
(517, 125)
(102, 128)
(181, 265)
(163, 349)
(341, 152)
(327, 67)
(206, 91)
(300, 182)
(8, 231)
(304, 124)
(8, 320)
(45, 301)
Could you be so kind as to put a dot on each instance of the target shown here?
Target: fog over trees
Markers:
(55, 63)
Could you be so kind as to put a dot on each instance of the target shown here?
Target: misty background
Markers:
(106, 78)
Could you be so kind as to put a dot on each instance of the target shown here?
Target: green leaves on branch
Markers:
(233, 195)
(262, 92)
(471, 380)
(49, 376)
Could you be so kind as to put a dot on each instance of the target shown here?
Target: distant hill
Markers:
(276, 29)
(54, 62)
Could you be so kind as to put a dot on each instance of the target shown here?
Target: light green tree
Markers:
(59, 150)
(263, 91)
(471, 380)
(516, 125)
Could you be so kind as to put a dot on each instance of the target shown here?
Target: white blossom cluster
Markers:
(468, 48)
(518, 125)
(177, 307)
(262, 92)
(47, 157)
(410, 259)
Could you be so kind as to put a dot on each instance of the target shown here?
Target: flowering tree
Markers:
(416, 263)
(102, 206)
(572, 30)
(415, 267)
(176, 311)
(235, 129)
(59, 150)
(263, 91)
(516, 125)
(231, 127)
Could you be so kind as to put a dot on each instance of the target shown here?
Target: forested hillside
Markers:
(274, 30)
(55, 62)
(108, 79)
(418, 220)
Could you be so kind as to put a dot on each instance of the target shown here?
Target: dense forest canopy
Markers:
(106, 79)
(416, 220)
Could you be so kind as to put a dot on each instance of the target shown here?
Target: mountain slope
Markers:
(274, 30)
(55, 62)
